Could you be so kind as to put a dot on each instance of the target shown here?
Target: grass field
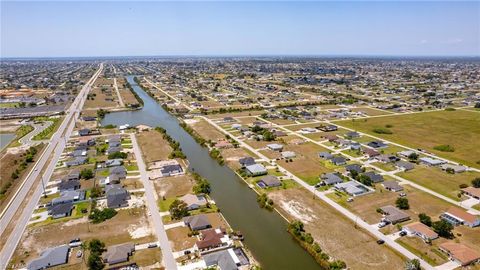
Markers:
(153, 146)
(429, 129)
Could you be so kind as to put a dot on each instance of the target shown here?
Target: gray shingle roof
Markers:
(50, 257)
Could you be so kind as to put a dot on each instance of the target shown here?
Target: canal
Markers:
(265, 232)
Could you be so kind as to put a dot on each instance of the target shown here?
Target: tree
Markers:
(296, 227)
(178, 209)
(413, 264)
(365, 179)
(96, 248)
(268, 136)
(86, 174)
(443, 228)
(413, 156)
(477, 105)
(476, 182)
(202, 186)
(425, 219)
(402, 203)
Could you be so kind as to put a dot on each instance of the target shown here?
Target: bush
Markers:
(444, 148)
(476, 182)
(86, 174)
(425, 219)
(402, 203)
(382, 131)
(98, 216)
(114, 155)
(443, 228)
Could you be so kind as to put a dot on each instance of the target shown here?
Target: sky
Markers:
(128, 28)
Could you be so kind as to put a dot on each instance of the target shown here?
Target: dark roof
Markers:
(331, 178)
(246, 161)
(68, 185)
(197, 222)
(61, 209)
(173, 168)
(271, 181)
(116, 196)
(338, 160)
(375, 177)
(354, 167)
(50, 257)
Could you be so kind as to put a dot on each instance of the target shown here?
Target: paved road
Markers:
(168, 259)
(357, 220)
(116, 87)
(37, 128)
(55, 147)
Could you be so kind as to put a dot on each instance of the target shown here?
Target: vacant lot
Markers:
(179, 239)
(207, 131)
(459, 129)
(438, 180)
(370, 111)
(335, 234)
(235, 114)
(174, 186)
(153, 146)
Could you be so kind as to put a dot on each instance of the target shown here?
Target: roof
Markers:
(394, 214)
(119, 253)
(432, 161)
(256, 168)
(191, 199)
(405, 164)
(69, 184)
(462, 214)
(222, 259)
(325, 155)
(337, 160)
(354, 167)
(375, 177)
(472, 190)
(461, 252)
(50, 257)
(275, 146)
(116, 195)
(393, 185)
(371, 152)
(421, 228)
(271, 180)
(197, 221)
(351, 187)
(245, 161)
(211, 238)
(331, 178)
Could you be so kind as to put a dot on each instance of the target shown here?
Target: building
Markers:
(212, 238)
(457, 216)
(275, 147)
(453, 168)
(371, 153)
(460, 253)
(404, 165)
(68, 185)
(118, 253)
(421, 230)
(392, 186)
(197, 222)
(231, 258)
(50, 257)
(352, 135)
(269, 181)
(431, 161)
(288, 154)
(374, 177)
(60, 210)
(394, 215)
(325, 155)
(256, 169)
(117, 196)
(354, 168)
(377, 144)
(330, 178)
(352, 188)
(472, 192)
(194, 201)
(328, 128)
(338, 161)
(246, 161)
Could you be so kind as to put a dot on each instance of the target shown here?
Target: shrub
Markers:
(476, 182)
(402, 203)
(98, 216)
(382, 131)
(444, 148)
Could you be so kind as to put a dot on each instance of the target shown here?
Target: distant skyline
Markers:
(89, 29)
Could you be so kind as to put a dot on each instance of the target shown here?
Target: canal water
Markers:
(5, 139)
(265, 232)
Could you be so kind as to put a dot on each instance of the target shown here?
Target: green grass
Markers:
(131, 167)
(104, 173)
(48, 132)
(9, 105)
(20, 133)
(352, 153)
(164, 205)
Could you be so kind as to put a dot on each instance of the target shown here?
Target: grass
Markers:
(164, 205)
(20, 133)
(131, 167)
(48, 132)
(428, 253)
(459, 129)
(9, 105)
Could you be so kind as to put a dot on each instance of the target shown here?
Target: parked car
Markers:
(79, 254)
(152, 245)
(380, 241)
(350, 199)
(402, 233)
(402, 194)
(382, 224)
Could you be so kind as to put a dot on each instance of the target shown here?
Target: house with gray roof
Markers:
(374, 177)
(197, 222)
(331, 178)
(392, 186)
(50, 257)
(118, 253)
(404, 165)
(339, 160)
(69, 185)
(352, 188)
(228, 259)
(69, 196)
(246, 161)
(354, 168)
(76, 161)
(255, 169)
(60, 210)
(269, 181)
(394, 215)
(431, 161)
(114, 162)
(194, 201)
(325, 155)
(117, 196)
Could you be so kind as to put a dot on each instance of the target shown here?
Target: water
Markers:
(5, 139)
(265, 232)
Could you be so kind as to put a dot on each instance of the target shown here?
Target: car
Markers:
(186, 252)
(402, 233)
(317, 185)
(380, 241)
(382, 224)
(402, 194)
(350, 199)
(79, 254)
(75, 240)
(152, 245)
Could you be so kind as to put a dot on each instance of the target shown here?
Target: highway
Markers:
(56, 146)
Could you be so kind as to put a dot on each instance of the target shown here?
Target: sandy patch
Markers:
(299, 211)
(139, 231)
(190, 121)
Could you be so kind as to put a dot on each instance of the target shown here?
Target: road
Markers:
(116, 87)
(37, 128)
(55, 147)
(168, 259)
(357, 220)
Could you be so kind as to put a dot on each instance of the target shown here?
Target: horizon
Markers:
(235, 29)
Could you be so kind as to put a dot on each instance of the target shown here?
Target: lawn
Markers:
(48, 132)
(207, 131)
(429, 129)
(430, 253)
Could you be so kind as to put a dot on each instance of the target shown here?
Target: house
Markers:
(60, 210)
(275, 147)
(212, 238)
(352, 135)
(228, 119)
(308, 130)
(392, 186)
(118, 253)
(431, 161)
(394, 215)
(377, 144)
(78, 153)
(330, 178)
(421, 230)
(231, 258)
(113, 149)
(141, 128)
(223, 144)
(50, 257)
(460, 253)
(328, 128)
(269, 181)
(325, 155)
(197, 222)
(69, 196)
(353, 188)
(374, 177)
(89, 118)
(354, 168)
(330, 137)
(454, 168)
(406, 153)
(84, 132)
(68, 185)
(355, 146)
(255, 169)
(171, 170)
(74, 175)
(246, 161)
(279, 133)
(117, 196)
(472, 192)
(457, 216)
(76, 161)
(114, 162)
(371, 153)
(194, 201)
(387, 158)
(288, 154)
(117, 173)
(339, 160)
(404, 165)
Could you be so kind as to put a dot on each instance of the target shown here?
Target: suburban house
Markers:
(405, 153)
(354, 168)
(255, 169)
(453, 168)
(374, 177)
(212, 238)
(457, 216)
(330, 178)
(50, 257)
(352, 188)
(117, 196)
(377, 144)
(269, 181)
(371, 153)
(472, 192)
(118, 253)
(421, 230)
(68, 185)
(392, 186)
(328, 128)
(339, 160)
(325, 155)
(431, 161)
(404, 165)
(74, 175)
(352, 135)
(113, 149)
(164, 168)
(246, 161)
(76, 161)
(387, 158)
(194, 201)
(117, 173)
(460, 253)
(223, 144)
(231, 258)
(288, 154)
(84, 132)
(275, 147)
(60, 210)
(171, 170)
(114, 162)
(197, 222)
(69, 196)
(394, 215)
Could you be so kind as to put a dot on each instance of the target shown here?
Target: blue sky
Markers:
(46, 29)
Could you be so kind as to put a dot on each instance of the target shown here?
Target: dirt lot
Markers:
(457, 128)
(235, 114)
(179, 239)
(113, 231)
(370, 111)
(207, 131)
(335, 234)
(174, 186)
(153, 146)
